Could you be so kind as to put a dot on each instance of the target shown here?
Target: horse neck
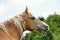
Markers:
(19, 23)
(16, 23)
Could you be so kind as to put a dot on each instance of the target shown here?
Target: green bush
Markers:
(39, 36)
(54, 22)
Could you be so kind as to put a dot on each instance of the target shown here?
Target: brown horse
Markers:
(13, 28)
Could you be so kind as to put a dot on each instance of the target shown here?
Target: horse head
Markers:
(32, 23)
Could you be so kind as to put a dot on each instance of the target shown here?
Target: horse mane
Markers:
(18, 21)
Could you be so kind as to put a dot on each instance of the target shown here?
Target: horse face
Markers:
(34, 24)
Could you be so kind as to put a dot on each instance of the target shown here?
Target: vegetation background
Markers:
(54, 23)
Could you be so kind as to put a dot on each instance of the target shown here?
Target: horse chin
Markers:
(41, 30)
(36, 31)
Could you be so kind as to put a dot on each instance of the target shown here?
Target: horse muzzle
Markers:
(42, 27)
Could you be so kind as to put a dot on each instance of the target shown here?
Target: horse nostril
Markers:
(46, 27)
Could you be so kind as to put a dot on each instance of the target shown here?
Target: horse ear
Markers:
(26, 10)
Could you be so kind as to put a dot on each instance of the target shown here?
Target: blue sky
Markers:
(10, 8)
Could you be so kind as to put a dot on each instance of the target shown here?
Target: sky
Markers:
(10, 8)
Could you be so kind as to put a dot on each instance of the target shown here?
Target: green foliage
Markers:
(41, 18)
(54, 23)
(39, 36)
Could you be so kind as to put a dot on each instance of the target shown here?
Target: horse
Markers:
(13, 28)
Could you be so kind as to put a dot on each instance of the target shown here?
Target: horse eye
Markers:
(32, 18)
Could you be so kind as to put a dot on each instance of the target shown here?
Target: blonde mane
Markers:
(18, 21)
